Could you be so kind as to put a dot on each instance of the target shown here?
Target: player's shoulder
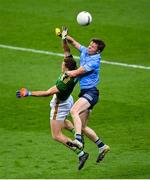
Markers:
(82, 48)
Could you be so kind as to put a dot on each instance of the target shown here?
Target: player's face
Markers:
(92, 48)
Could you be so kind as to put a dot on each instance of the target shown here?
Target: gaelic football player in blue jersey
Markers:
(88, 74)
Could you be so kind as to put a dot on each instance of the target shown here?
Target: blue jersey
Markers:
(91, 64)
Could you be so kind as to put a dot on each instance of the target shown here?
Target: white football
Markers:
(84, 18)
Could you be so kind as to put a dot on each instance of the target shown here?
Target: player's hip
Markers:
(91, 95)
(60, 109)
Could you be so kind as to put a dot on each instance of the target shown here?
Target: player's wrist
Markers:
(29, 93)
(64, 32)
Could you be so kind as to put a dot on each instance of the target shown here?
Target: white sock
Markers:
(80, 154)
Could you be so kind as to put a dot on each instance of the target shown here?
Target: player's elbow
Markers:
(80, 71)
(48, 93)
(74, 112)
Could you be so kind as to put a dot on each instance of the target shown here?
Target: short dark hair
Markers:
(100, 44)
(70, 63)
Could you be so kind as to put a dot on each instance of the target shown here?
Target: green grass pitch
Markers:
(121, 118)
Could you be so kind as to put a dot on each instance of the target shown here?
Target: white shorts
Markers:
(60, 109)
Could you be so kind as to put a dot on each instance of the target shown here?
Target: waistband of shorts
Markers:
(90, 89)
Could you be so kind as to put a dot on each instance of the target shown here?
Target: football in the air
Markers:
(84, 18)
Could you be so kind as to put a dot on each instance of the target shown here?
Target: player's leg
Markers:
(58, 115)
(56, 127)
(80, 105)
(103, 148)
(69, 126)
(56, 130)
(82, 156)
(88, 98)
(91, 134)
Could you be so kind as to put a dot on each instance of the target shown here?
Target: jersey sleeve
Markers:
(82, 48)
(61, 84)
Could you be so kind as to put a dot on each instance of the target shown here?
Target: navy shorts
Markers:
(91, 95)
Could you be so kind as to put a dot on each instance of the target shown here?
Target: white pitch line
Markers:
(77, 57)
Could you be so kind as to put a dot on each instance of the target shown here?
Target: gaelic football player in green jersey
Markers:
(61, 103)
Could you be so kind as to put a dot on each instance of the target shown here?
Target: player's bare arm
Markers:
(23, 92)
(64, 35)
(49, 92)
(76, 73)
(66, 48)
(73, 42)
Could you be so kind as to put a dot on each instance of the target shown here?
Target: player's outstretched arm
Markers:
(72, 41)
(23, 92)
(64, 35)
(66, 48)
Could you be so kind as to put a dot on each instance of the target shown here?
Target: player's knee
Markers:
(73, 112)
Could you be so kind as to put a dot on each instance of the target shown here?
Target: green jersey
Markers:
(65, 86)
